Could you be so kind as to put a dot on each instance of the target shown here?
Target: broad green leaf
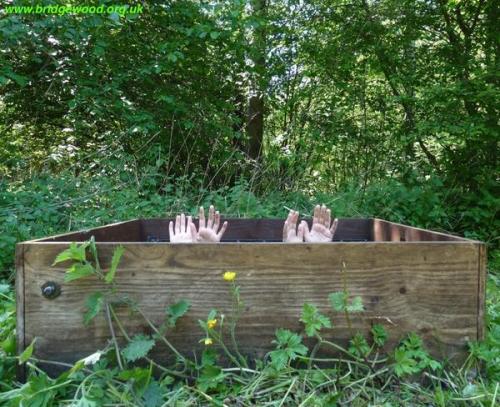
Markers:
(379, 334)
(138, 348)
(177, 310)
(117, 255)
(24, 357)
(338, 301)
(94, 305)
(279, 359)
(77, 271)
(73, 252)
(356, 305)
(313, 319)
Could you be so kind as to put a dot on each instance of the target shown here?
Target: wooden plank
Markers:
(262, 229)
(385, 231)
(482, 274)
(20, 302)
(128, 231)
(429, 288)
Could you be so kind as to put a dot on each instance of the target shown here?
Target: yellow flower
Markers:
(208, 341)
(211, 323)
(229, 275)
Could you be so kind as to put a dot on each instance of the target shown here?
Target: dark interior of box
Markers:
(257, 230)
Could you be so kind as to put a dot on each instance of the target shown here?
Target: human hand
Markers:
(323, 228)
(208, 231)
(292, 234)
(184, 230)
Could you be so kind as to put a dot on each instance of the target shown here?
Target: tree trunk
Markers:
(255, 114)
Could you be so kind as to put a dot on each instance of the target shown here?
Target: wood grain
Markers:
(482, 274)
(384, 231)
(427, 287)
(20, 302)
(128, 231)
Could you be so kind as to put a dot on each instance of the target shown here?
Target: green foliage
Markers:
(340, 302)
(75, 252)
(288, 347)
(93, 305)
(26, 354)
(379, 334)
(117, 255)
(175, 311)
(313, 319)
(138, 348)
(411, 357)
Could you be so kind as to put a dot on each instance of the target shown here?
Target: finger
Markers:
(171, 230)
(210, 223)
(323, 214)
(217, 221)
(305, 228)
(334, 226)
(222, 231)
(317, 210)
(290, 216)
(183, 223)
(194, 233)
(178, 224)
(201, 216)
(285, 230)
(189, 221)
(300, 233)
(328, 218)
(295, 219)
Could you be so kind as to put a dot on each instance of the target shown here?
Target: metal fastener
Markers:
(51, 290)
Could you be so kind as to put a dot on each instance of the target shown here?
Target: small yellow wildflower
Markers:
(211, 323)
(208, 341)
(229, 275)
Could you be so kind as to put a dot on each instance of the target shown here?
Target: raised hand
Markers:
(323, 228)
(184, 230)
(292, 234)
(208, 231)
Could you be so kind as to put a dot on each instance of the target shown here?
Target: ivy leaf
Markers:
(177, 310)
(117, 255)
(313, 320)
(94, 305)
(73, 252)
(24, 357)
(77, 271)
(138, 348)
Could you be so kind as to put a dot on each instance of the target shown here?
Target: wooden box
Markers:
(410, 280)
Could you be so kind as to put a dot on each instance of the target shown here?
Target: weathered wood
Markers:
(431, 288)
(128, 231)
(20, 301)
(481, 307)
(384, 231)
